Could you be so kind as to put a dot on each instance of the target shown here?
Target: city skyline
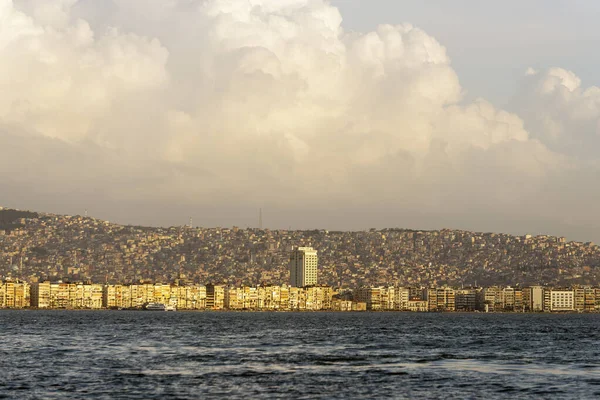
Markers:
(185, 295)
(340, 115)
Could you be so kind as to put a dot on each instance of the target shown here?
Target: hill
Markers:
(51, 246)
(11, 219)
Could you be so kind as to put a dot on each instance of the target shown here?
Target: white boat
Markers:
(170, 307)
(155, 307)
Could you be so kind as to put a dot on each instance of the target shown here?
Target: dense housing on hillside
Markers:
(36, 247)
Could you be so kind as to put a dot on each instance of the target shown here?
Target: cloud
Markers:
(560, 112)
(231, 105)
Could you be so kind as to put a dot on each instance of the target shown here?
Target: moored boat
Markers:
(155, 307)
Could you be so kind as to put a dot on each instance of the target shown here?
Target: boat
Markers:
(170, 307)
(155, 307)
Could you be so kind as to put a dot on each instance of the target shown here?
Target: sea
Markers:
(197, 355)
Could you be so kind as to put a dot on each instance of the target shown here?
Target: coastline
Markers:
(226, 311)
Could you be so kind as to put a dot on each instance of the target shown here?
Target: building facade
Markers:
(562, 300)
(303, 267)
(14, 294)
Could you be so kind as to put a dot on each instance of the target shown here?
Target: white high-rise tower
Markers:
(303, 267)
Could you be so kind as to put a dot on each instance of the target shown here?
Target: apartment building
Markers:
(14, 294)
(468, 299)
(440, 299)
(562, 300)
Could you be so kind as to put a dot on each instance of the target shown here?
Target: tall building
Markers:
(215, 297)
(303, 267)
(537, 298)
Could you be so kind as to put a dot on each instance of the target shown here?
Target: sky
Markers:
(341, 115)
(492, 43)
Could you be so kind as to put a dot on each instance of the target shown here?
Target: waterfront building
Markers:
(241, 298)
(191, 297)
(181, 297)
(562, 300)
(533, 298)
(319, 298)
(126, 296)
(526, 299)
(269, 297)
(401, 297)
(69, 295)
(92, 296)
(388, 298)
(312, 298)
(233, 298)
(184, 297)
(215, 297)
(284, 298)
(188, 296)
(303, 267)
(162, 294)
(371, 296)
(40, 295)
(14, 294)
(548, 299)
(250, 298)
(297, 299)
(468, 299)
(341, 305)
(440, 299)
(112, 296)
(513, 299)
(142, 294)
(59, 295)
(418, 305)
(381, 298)
(584, 298)
(590, 299)
(493, 299)
(415, 292)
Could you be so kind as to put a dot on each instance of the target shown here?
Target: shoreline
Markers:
(303, 311)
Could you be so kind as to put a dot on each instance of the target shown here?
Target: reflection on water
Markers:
(122, 354)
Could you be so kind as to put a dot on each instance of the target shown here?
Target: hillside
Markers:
(10, 219)
(77, 248)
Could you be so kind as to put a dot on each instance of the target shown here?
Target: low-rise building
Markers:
(418, 305)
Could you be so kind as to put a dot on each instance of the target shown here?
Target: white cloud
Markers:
(561, 113)
(58, 77)
(240, 103)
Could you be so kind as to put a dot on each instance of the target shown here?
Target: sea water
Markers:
(193, 355)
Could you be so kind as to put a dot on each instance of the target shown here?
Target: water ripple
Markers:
(137, 355)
